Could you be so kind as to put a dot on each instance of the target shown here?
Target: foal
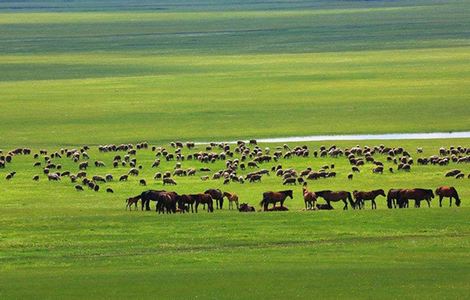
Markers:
(132, 200)
(310, 198)
(232, 197)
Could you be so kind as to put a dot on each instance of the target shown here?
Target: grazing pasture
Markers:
(58, 240)
(75, 73)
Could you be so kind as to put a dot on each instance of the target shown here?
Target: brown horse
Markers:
(185, 202)
(310, 198)
(203, 199)
(331, 196)
(392, 196)
(244, 207)
(274, 197)
(150, 195)
(217, 195)
(166, 202)
(360, 196)
(450, 192)
(132, 200)
(416, 194)
(232, 198)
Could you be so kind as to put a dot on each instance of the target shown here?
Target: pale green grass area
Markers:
(220, 97)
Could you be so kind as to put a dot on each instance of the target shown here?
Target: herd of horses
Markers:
(172, 202)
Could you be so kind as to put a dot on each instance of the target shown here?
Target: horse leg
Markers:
(429, 203)
(374, 205)
(440, 201)
(197, 204)
(221, 203)
(345, 205)
(147, 203)
(450, 201)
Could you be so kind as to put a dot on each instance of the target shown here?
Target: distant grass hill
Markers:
(122, 71)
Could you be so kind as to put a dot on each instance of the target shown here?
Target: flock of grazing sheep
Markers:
(242, 157)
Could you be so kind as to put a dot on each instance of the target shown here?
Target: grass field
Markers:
(119, 71)
(57, 242)
(73, 76)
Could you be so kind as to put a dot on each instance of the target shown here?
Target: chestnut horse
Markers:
(203, 199)
(331, 196)
(274, 197)
(450, 192)
(132, 200)
(310, 198)
(414, 194)
(232, 197)
(360, 196)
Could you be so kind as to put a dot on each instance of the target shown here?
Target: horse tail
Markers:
(389, 200)
(456, 195)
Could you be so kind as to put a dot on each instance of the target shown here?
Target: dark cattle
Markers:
(78, 188)
(109, 190)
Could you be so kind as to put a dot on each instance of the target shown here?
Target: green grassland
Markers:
(74, 76)
(57, 242)
(96, 72)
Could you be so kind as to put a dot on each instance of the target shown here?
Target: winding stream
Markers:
(364, 137)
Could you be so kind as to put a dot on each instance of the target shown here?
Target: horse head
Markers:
(290, 194)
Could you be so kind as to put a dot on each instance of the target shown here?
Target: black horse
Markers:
(274, 197)
(150, 195)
